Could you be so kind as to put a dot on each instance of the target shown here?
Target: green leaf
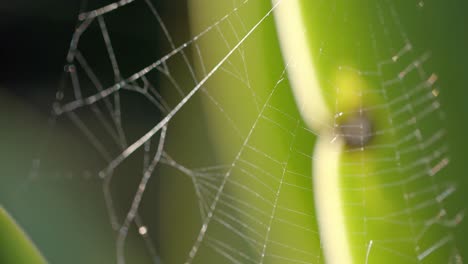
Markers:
(303, 186)
(15, 246)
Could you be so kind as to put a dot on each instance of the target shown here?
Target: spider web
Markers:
(242, 144)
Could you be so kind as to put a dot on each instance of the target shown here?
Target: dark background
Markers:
(59, 202)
